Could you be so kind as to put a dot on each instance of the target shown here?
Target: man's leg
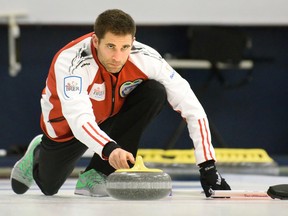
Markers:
(142, 105)
(54, 162)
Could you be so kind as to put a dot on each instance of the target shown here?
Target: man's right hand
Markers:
(119, 159)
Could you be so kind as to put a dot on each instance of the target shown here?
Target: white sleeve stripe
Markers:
(206, 144)
(97, 136)
(97, 132)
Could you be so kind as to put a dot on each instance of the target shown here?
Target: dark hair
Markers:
(115, 21)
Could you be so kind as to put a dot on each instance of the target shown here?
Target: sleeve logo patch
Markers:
(98, 92)
(72, 86)
(128, 87)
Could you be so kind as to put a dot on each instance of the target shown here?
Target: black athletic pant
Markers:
(54, 161)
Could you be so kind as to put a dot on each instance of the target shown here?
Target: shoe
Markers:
(22, 172)
(91, 183)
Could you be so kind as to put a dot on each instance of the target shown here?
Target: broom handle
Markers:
(239, 193)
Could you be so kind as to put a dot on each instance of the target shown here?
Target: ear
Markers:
(95, 40)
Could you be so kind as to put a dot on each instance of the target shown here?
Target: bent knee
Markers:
(50, 191)
(155, 88)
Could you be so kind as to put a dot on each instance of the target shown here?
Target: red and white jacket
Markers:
(80, 94)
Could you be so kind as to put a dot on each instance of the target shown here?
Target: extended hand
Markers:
(119, 159)
(210, 178)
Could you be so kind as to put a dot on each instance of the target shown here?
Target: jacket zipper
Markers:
(113, 94)
(58, 119)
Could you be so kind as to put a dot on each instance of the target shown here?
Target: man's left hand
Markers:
(211, 179)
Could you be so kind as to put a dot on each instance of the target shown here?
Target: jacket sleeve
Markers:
(72, 81)
(182, 99)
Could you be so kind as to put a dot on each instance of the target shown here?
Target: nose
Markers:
(117, 55)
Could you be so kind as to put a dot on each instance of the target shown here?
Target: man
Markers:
(101, 92)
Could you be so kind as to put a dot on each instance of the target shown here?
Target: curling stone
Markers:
(139, 183)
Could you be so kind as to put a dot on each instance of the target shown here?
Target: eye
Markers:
(125, 47)
(110, 46)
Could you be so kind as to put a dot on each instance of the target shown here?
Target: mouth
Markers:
(114, 68)
(115, 65)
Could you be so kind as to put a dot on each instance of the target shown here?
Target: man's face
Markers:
(113, 50)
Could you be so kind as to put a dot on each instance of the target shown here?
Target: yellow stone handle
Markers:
(139, 166)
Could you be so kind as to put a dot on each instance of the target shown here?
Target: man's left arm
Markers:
(183, 100)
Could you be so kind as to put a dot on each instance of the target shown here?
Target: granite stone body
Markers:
(139, 185)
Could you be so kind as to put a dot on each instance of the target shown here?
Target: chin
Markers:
(114, 70)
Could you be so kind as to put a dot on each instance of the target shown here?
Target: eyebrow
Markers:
(125, 45)
(110, 44)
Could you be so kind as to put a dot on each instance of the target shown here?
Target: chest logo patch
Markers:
(129, 86)
(72, 86)
(98, 92)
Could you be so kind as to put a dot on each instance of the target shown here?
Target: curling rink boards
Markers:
(185, 200)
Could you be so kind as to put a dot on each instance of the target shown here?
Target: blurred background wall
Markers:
(252, 114)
